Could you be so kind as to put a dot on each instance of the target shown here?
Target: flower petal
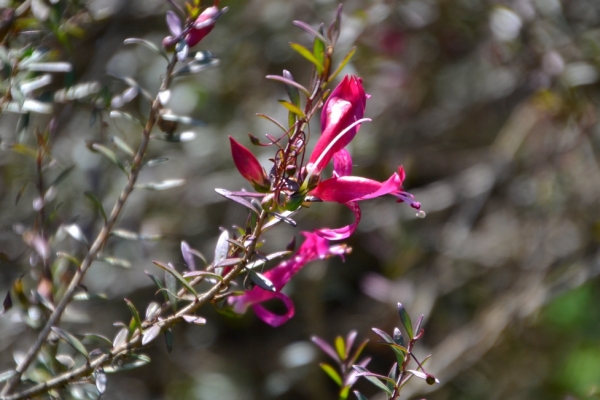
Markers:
(354, 188)
(270, 317)
(346, 231)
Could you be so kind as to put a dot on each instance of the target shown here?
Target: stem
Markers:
(98, 243)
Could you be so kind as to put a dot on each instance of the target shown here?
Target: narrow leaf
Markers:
(169, 339)
(272, 120)
(110, 155)
(149, 45)
(405, 318)
(4, 376)
(289, 82)
(122, 145)
(164, 185)
(332, 373)
(97, 204)
(340, 347)
(383, 335)
(134, 361)
(359, 395)
(7, 303)
(261, 281)
(158, 283)
(169, 268)
(150, 334)
(292, 108)
(323, 345)
(135, 314)
(304, 52)
(100, 380)
(309, 29)
(240, 200)
(340, 67)
(72, 341)
(193, 319)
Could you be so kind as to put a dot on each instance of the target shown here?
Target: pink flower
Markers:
(203, 25)
(314, 248)
(249, 167)
(348, 190)
(340, 120)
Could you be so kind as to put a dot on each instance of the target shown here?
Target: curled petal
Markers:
(343, 232)
(270, 317)
(354, 188)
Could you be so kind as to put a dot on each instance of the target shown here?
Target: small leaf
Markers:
(304, 52)
(164, 185)
(182, 50)
(309, 29)
(97, 204)
(398, 339)
(393, 376)
(240, 200)
(121, 338)
(182, 119)
(289, 82)
(344, 392)
(193, 319)
(152, 311)
(135, 314)
(419, 323)
(203, 273)
(228, 262)
(62, 176)
(292, 108)
(72, 341)
(319, 48)
(333, 32)
(150, 334)
(340, 347)
(122, 145)
(173, 23)
(100, 380)
(187, 256)
(384, 335)
(327, 349)
(169, 339)
(117, 262)
(110, 155)
(221, 249)
(340, 67)
(261, 281)
(96, 337)
(169, 268)
(171, 286)
(114, 114)
(373, 378)
(332, 373)
(350, 341)
(158, 283)
(149, 45)
(405, 318)
(272, 120)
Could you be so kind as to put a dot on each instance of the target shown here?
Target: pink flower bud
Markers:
(249, 166)
(344, 107)
(202, 26)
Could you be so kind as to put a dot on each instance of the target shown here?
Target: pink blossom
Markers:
(340, 121)
(348, 190)
(248, 166)
(314, 248)
(202, 26)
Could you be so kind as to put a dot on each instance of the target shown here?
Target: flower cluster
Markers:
(341, 117)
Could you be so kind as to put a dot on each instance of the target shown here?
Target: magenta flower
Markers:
(348, 190)
(340, 120)
(249, 166)
(203, 25)
(314, 248)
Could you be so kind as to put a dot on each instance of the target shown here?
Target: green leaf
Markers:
(383, 335)
(344, 392)
(136, 316)
(270, 257)
(332, 373)
(61, 177)
(292, 108)
(96, 337)
(405, 318)
(304, 52)
(72, 341)
(24, 150)
(392, 375)
(374, 378)
(110, 155)
(97, 203)
(169, 268)
(340, 347)
(171, 289)
(319, 48)
(340, 67)
(117, 262)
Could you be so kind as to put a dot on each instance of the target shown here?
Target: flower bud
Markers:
(203, 25)
(249, 167)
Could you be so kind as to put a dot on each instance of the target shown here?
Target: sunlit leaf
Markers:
(332, 373)
(304, 52)
(117, 262)
(110, 155)
(292, 108)
(100, 380)
(120, 114)
(340, 347)
(149, 45)
(150, 334)
(121, 338)
(75, 232)
(340, 67)
(309, 29)
(290, 82)
(135, 314)
(261, 281)
(373, 378)
(4, 376)
(193, 319)
(405, 318)
(359, 395)
(133, 361)
(240, 200)
(169, 268)
(164, 185)
(122, 145)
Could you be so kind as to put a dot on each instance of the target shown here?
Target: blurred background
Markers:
(491, 107)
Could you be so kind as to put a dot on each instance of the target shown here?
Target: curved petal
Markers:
(343, 232)
(270, 317)
(354, 188)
